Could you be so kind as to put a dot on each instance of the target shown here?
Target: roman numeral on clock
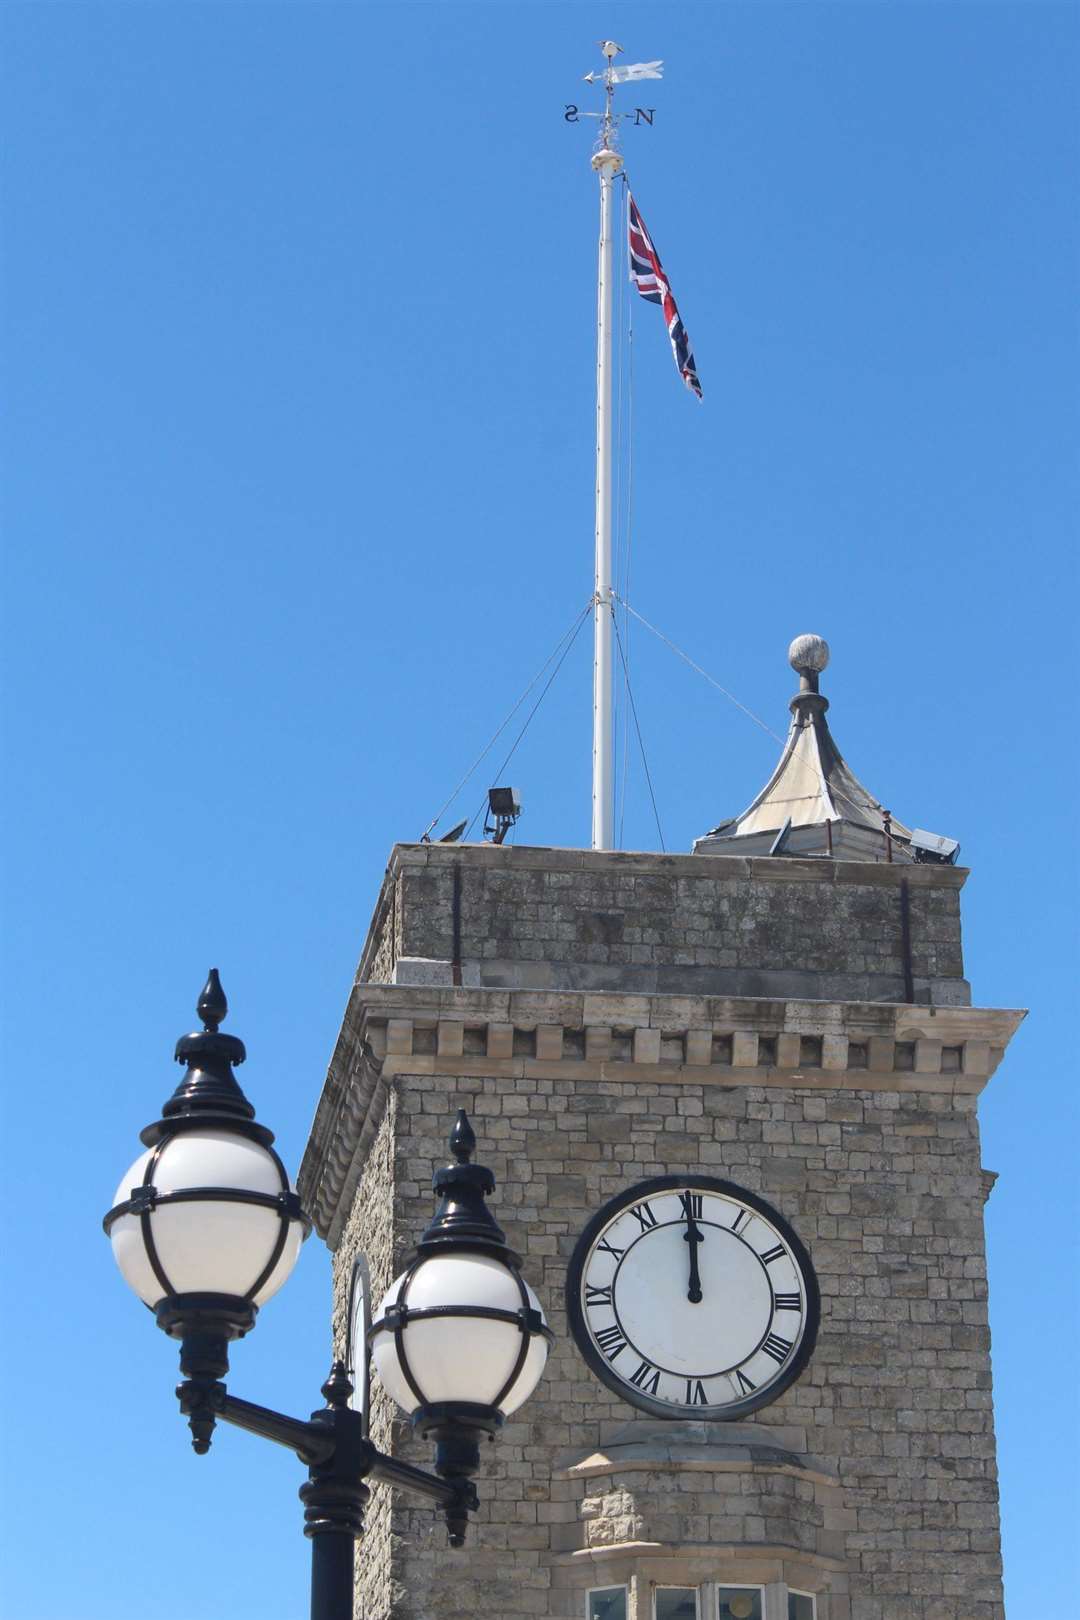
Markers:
(643, 1380)
(644, 1216)
(691, 1205)
(609, 1248)
(695, 1392)
(777, 1347)
(746, 1385)
(611, 1341)
(787, 1302)
(598, 1296)
(772, 1254)
(740, 1220)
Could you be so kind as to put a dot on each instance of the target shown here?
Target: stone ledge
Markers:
(673, 1014)
(698, 1447)
(678, 1074)
(700, 1465)
(713, 1551)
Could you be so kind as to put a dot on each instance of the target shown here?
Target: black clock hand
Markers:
(693, 1236)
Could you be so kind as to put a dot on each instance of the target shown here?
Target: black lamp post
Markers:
(206, 1226)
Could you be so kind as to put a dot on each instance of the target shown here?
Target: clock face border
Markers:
(731, 1411)
(359, 1294)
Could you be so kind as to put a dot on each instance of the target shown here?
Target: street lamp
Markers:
(206, 1226)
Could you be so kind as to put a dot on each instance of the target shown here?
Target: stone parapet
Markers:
(815, 929)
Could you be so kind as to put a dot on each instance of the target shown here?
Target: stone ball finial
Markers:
(808, 654)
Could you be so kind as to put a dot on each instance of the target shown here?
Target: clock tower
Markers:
(729, 1098)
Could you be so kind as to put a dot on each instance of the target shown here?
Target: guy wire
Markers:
(572, 634)
(641, 740)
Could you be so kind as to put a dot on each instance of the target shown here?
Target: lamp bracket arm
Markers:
(313, 1443)
(445, 1492)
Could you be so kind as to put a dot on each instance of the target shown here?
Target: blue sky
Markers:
(298, 348)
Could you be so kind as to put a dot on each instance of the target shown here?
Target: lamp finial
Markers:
(462, 1138)
(212, 1006)
(338, 1386)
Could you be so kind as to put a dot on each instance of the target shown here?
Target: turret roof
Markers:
(813, 804)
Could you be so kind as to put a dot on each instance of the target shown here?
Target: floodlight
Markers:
(934, 847)
(504, 803)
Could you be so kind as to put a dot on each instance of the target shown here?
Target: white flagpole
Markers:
(607, 162)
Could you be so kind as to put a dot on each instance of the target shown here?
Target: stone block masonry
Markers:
(518, 917)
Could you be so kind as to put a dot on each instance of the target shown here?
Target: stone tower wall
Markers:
(606, 1018)
(870, 1481)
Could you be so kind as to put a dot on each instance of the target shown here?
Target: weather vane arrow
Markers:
(609, 77)
(626, 75)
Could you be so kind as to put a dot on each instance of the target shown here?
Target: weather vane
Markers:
(609, 77)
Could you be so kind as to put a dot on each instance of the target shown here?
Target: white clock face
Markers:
(692, 1298)
(356, 1350)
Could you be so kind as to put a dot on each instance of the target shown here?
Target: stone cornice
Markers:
(674, 1040)
(646, 863)
(346, 1119)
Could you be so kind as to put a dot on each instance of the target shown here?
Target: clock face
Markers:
(356, 1350)
(692, 1298)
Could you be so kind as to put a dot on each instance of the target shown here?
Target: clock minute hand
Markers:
(693, 1236)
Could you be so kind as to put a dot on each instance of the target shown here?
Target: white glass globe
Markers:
(206, 1246)
(459, 1358)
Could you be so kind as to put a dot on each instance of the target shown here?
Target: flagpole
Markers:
(607, 162)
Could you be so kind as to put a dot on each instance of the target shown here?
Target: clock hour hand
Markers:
(693, 1235)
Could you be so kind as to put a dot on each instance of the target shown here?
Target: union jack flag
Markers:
(647, 274)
